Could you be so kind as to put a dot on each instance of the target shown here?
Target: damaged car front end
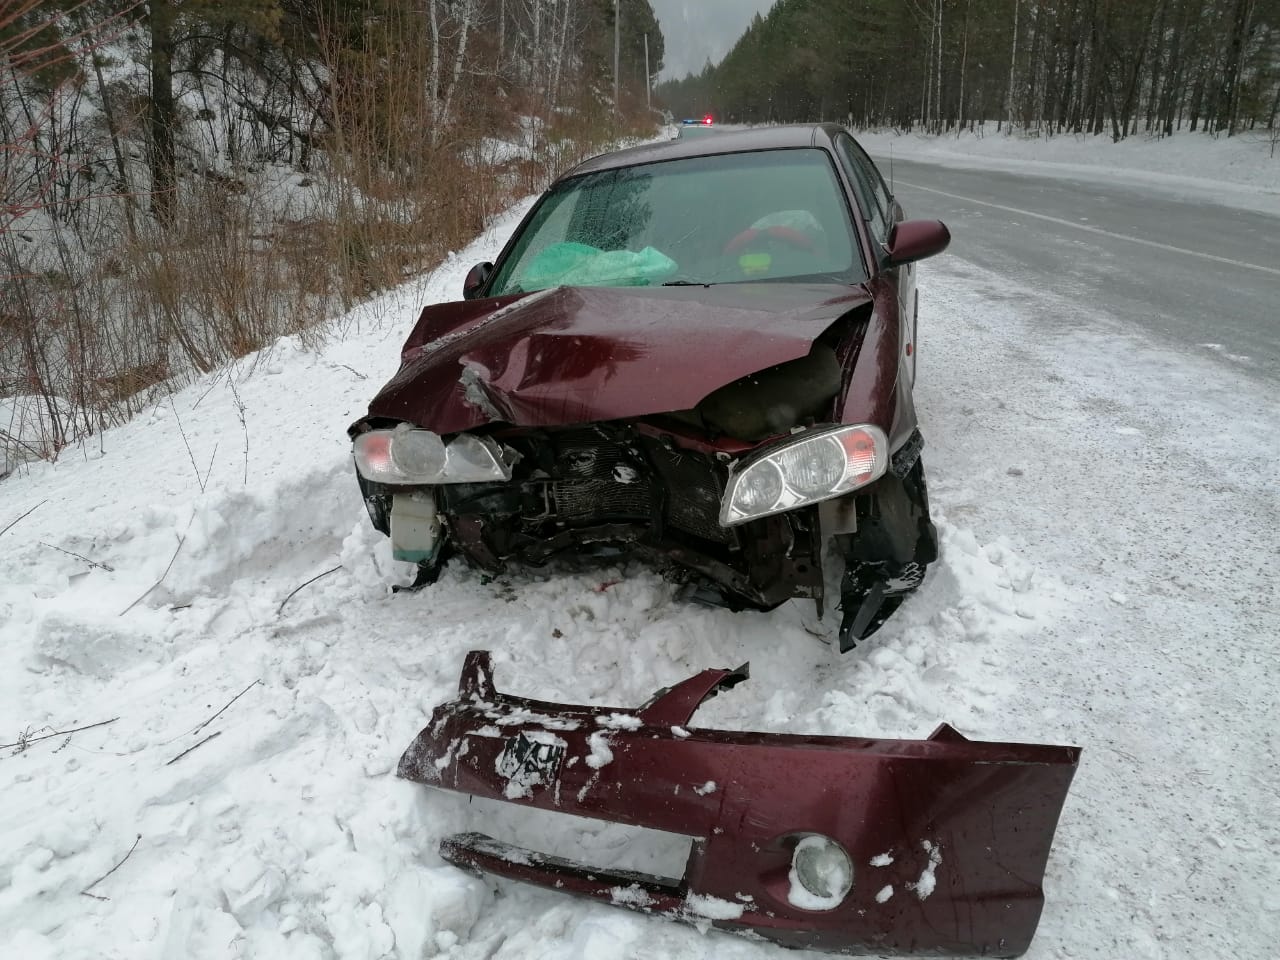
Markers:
(728, 406)
(840, 844)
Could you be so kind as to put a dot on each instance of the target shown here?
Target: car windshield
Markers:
(731, 218)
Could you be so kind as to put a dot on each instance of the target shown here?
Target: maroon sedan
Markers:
(699, 352)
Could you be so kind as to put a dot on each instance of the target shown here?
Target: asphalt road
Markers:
(1190, 273)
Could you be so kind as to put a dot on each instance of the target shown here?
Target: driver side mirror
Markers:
(914, 240)
(476, 278)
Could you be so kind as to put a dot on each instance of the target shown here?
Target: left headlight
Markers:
(407, 455)
(817, 465)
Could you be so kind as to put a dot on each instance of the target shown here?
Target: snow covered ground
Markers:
(1108, 509)
(1237, 171)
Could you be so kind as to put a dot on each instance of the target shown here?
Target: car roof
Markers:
(727, 141)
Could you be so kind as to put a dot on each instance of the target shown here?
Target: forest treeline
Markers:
(1117, 67)
(185, 180)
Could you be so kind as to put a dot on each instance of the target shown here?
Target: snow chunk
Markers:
(632, 896)
(884, 893)
(680, 732)
(882, 860)
(251, 886)
(624, 474)
(98, 650)
(619, 721)
(706, 788)
(600, 752)
(928, 881)
(523, 715)
(713, 908)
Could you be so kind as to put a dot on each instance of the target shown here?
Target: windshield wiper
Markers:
(687, 283)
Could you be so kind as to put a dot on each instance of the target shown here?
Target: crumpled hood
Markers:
(581, 354)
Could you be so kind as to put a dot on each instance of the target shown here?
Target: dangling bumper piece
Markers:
(840, 844)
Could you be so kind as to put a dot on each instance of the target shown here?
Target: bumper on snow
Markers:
(944, 840)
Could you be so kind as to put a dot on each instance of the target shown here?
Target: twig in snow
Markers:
(190, 456)
(85, 892)
(212, 384)
(72, 553)
(192, 747)
(181, 540)
(34, 452)
(12, 523)
(208, 473)
(25, 741)
(227, 704)
(24, 738)
(358, 374)
(280, 609)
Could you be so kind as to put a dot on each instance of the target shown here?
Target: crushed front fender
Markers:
(947, 837)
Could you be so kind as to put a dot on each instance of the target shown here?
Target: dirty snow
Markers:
(253, 735)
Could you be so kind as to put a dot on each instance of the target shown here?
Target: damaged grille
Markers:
(601, 498)
(596, 476)
(693, 492)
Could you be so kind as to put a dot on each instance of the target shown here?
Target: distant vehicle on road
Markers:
(692, 128)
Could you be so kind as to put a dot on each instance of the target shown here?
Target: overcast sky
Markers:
(694, 30)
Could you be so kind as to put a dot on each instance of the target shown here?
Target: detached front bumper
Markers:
(947, 837)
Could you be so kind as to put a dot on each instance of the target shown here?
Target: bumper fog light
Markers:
(821, 874)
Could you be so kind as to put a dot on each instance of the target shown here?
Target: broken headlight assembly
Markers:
(408, 456)
(811, 466)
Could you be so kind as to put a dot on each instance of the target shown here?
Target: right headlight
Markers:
(816, 465)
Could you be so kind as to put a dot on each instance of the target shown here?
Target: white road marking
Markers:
(1098, 230)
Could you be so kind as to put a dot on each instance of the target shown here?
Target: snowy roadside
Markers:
(1235, 172)
(1104, 583)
